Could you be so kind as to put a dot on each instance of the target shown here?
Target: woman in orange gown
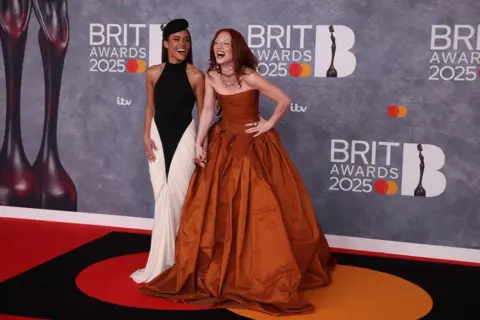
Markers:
(248, 234)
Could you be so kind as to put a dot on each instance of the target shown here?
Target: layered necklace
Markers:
(229, 81)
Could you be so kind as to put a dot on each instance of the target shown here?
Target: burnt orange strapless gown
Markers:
(248, 234)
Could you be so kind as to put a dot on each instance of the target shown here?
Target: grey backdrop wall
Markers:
(401, 82)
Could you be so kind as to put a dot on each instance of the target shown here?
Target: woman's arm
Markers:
(200, 97)
(198, 79)
(208, 111)
(150, 110)
(256, 81)
(152, 74)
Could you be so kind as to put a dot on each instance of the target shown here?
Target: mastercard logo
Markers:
(397, 111)
(300, 70)
(387, 187)
(136, 66)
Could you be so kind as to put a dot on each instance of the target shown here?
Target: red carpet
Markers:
(28, 243)
(117, 287)
(6, 317)
(72, 271)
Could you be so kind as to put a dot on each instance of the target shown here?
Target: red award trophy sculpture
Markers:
(18, 184)
(58, 191)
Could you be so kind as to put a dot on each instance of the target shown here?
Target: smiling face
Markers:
(178, 46)
(229, 52)
(222, 48)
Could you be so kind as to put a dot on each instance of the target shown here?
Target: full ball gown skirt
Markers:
(248, 234)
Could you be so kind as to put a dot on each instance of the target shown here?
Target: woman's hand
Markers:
(259, 127)
(200, 155)
(149, 147)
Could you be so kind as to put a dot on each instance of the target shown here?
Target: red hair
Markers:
(243, 57)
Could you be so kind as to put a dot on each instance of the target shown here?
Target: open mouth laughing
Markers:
(220, 54)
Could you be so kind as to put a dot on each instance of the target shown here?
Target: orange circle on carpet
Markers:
(361, 294)
(109, 280)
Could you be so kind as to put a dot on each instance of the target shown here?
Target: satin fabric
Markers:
(169, 197)
(248, 234)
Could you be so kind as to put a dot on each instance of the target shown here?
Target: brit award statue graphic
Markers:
(332, 72)
(58, 191)
(420, 191)
(18, 184)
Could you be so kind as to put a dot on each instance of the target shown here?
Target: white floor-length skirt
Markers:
(169, 197)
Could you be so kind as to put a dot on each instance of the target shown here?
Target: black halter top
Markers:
(174, 102)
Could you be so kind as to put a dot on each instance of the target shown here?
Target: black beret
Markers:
(174, 26)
